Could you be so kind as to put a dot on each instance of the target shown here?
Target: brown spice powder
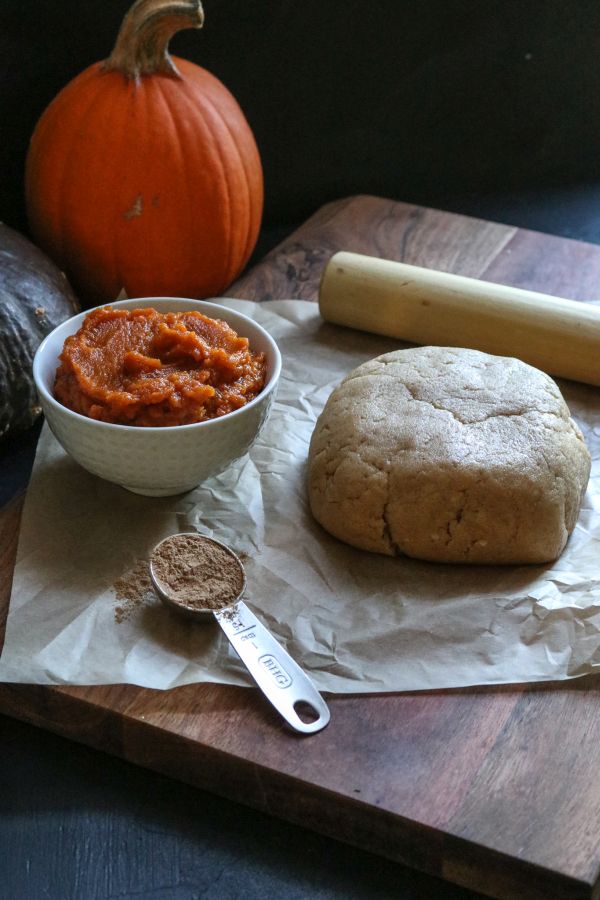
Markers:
(132, 590)
(197, 573)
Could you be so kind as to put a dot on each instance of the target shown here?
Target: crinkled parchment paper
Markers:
(358, 622)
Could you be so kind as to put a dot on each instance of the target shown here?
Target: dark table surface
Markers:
(76, 823)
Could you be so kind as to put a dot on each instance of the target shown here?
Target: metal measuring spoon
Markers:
(281, 680)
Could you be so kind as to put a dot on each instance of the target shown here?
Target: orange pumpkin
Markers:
(143, 173)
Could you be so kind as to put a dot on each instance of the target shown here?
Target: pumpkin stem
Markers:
(142, 46)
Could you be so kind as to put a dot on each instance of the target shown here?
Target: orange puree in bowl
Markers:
(142, 367)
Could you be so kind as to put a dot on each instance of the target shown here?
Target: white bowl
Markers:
(158, 462)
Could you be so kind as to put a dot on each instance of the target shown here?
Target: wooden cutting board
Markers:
(495, 789)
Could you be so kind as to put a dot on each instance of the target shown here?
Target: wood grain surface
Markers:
(494, 789)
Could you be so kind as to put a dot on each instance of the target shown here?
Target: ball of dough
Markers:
(448, 455)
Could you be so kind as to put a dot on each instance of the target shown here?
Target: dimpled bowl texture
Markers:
(158, 462)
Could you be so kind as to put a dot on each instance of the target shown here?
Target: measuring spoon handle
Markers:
(281, 680)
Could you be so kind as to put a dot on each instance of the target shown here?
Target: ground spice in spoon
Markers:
(196, 572)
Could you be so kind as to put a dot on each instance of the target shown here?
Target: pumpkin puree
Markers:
(142, 367)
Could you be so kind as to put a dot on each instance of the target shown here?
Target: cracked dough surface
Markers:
(448, 455)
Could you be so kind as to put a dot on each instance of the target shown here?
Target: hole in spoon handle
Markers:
(280, 678)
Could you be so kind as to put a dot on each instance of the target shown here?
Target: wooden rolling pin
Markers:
(560, 336)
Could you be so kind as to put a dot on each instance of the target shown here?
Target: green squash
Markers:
(35, 297)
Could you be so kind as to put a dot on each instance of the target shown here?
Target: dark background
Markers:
(482, 107)
(473, 105)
